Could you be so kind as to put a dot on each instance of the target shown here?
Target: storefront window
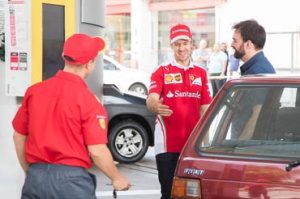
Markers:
(118, 37)
(201, 22)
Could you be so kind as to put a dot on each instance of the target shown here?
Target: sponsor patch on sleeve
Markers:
(102, 122)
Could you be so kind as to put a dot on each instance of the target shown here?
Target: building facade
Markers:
(137, 30)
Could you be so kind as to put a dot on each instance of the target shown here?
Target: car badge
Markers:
(193, 171)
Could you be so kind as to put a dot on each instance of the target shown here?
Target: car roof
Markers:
(266, 79)
(113, 61)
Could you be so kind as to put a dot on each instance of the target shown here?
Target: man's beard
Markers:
(238, 54)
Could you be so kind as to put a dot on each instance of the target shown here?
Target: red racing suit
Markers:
(184, 90)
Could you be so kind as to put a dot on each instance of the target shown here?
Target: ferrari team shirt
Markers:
(184, 90)
(60, 117)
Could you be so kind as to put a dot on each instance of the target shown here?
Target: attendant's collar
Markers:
(71, 77)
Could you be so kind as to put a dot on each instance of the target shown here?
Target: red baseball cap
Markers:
(180, 31)
(81, 48)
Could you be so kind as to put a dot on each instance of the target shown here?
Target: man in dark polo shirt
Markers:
(248, 42)
(249, 39)
(60, 125)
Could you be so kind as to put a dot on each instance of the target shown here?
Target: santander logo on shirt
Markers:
(184, 94)
(170, 94)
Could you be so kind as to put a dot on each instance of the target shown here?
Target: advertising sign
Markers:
(17, 39)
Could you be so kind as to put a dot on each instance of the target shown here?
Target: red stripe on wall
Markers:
(114, 9)
(184, 5)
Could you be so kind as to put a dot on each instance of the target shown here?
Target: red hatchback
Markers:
(247, 145)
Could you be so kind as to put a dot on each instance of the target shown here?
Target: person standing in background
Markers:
(217, 68)
(201, 55)
(223, 47)
(177, 89)
(233, 63)
(61, 125)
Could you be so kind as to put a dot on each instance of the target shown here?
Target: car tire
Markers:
(139, 88)
(128, 141)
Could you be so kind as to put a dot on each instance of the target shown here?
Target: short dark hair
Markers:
(251, 30)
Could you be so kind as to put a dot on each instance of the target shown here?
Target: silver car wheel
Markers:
(139, 88)
(128, 142)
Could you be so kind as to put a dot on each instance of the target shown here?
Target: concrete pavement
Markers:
(142, 175)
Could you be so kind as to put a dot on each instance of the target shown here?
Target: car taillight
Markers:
(184, 188)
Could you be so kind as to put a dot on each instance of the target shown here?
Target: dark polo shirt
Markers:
(258, 64)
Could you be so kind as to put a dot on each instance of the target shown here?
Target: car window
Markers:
(255, 121)
(107, 65)
(289, 97)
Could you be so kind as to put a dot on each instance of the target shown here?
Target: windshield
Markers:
(255, 120)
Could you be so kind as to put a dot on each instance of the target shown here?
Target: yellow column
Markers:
(37, 32)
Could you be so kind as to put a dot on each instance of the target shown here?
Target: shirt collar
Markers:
(70, 77)
(251, 61)
(174, 63)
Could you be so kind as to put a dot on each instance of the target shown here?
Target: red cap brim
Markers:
(100, 44)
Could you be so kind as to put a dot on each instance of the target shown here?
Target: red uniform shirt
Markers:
(184, 90)
(60, 117)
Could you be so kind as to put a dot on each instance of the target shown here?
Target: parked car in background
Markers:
(125, 78)
(130, 124)
(247, 145)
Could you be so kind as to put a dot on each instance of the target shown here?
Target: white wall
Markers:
(143, 42)
(11, 175)
(275, 16)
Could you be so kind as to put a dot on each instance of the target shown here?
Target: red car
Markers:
(247, 145)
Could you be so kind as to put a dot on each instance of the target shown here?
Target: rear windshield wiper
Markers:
(292, 165)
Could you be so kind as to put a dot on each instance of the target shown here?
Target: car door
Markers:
(236, 156)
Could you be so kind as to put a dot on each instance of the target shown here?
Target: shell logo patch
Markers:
(173, 78)
(102, 123)
(168, 78)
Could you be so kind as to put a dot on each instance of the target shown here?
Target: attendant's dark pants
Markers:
(53, 181)
(166, 165)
